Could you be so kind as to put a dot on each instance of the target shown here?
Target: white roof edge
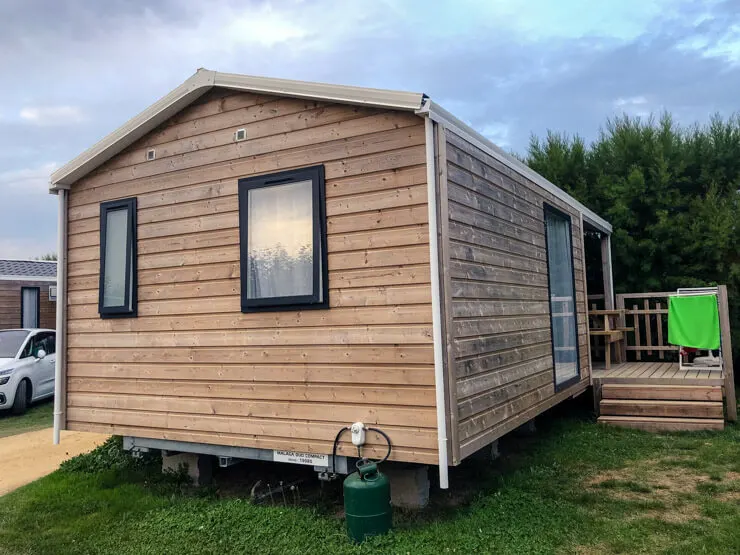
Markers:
(203, 80)
(381, 98)
(197, 85)
(132, 130)
(439, 114)
(12, 277)
(28, 260)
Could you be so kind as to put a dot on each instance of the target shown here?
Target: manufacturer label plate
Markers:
(300, 458)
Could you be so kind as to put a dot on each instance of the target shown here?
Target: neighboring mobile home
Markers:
(251, 264)
(27, 294)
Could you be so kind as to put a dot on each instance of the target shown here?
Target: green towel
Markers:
(693, 321)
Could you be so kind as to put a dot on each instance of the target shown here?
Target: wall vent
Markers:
(151, 154)
(240, 135)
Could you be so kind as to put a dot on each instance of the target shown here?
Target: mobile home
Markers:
(27, 294)
(251, 264)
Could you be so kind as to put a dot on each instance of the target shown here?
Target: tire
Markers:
(20, 403)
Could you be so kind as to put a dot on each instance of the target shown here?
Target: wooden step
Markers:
(665, 392)
(663, 424)
(662, 408)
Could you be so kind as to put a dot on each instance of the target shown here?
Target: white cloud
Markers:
(630, 101)
(633, 105)
(32, 180)
(498, 133)
(266, 28)
(52, 115)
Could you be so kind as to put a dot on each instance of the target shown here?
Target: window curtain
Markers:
(562, 298)
(280, 235)
(30, 308)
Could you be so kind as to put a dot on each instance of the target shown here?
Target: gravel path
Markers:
(30, 456)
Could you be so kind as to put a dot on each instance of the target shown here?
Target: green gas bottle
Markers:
(367, 502)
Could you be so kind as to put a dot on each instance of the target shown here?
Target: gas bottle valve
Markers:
(358, 434)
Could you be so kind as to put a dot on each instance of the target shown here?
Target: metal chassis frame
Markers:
(131, 443)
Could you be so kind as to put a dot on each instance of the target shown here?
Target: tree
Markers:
(48, 256)
(671, 194)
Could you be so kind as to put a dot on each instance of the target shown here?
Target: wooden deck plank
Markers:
(621, 371)
(636, 370)
(644, 371)
(648, 371)
(662, 392)
(661, 373)
(661, 381)
(658, 370)
(665, 368)
(618, 369)
(671, 372)
(651, 370)
(615, 370)
(661, 408)
(663, 424)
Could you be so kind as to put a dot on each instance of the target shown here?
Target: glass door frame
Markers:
(551, 210)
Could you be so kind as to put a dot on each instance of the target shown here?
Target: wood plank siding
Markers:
(191, 366)
(499, 318)
(10, 304)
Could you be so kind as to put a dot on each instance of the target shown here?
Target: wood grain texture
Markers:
(191, 366)
(661, 408)
(443, 233)
(663, 424)
(500, 313)
(664, 392)
(10, 304)
(728, 370)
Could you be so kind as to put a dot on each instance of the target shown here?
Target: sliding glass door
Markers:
(562, 296)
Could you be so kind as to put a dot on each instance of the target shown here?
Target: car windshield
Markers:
(11, 341)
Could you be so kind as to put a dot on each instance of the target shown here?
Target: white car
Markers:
(27, 359)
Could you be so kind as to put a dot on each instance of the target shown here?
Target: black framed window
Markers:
(282, 236)
(562, 289)
(117, 291)
(30, 307)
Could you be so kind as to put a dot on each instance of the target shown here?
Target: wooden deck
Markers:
(657, 396)
(655, 373)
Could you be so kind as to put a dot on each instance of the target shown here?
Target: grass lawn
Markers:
(37, 417)
(573, 488)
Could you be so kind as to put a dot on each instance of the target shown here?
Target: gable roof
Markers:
(204, 80)
(200, 83)
(31, 270)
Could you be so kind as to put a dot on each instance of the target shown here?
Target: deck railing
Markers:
(647, 314)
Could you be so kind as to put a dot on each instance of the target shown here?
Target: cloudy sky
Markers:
(74, 70)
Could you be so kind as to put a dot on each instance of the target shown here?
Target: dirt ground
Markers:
(27, 457)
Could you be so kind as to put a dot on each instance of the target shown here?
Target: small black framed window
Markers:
(117, 291)
(30, 307)
(282, 236)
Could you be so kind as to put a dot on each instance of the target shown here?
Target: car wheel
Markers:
(21, 398)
